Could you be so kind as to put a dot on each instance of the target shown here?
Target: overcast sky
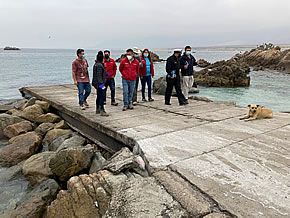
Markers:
(142, 23)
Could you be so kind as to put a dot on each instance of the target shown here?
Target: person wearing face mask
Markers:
(129, 68)
(137, 53)
(81, 78)
(187, 61)
(99, 77)
(173, 77)
(111, 69)
(146, 74)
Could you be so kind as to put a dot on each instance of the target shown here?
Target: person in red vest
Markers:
(111, 69)
(129, 68)
(146, 74)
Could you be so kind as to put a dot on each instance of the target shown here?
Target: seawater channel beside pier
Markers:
(201, 153)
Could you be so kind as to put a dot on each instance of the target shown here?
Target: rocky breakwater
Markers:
(266, 56)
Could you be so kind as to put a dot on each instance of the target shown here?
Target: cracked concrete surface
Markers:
(243, 166)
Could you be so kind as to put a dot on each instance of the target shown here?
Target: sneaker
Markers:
(167, 103)
(125, 108)
(144, 99)
(114, 103)
(130, 107)
(135, 103)
(103, 113)
(86, 103)
(82, 107)
(151, 99)
(98, 111)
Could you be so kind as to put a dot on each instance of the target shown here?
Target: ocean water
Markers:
(33, 67)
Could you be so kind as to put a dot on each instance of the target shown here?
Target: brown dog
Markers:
(257, 112)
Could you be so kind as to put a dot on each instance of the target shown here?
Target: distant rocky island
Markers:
(155, 57)
(8, 48)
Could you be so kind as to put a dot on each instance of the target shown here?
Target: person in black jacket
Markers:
(99, 78)
(187, 61)
(173, 78)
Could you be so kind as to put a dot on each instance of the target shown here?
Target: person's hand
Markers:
(107, 74)
(198, 62)
(185, 66)
(172, 77)
(75, 82)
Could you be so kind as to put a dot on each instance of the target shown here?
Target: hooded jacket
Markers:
(99, 74)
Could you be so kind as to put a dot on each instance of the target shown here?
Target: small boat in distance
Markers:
(8, 48)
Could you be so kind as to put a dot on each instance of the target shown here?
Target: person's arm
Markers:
(168, 66)
(74, 69)
(94, 81)
(140, 61)
(114, 68)
(194, 62)
(121, 67)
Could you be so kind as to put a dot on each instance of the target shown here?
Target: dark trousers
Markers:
(100, 98)
(176, 83)
(110, 83)
(84, 90)
(146, 80)
(136, 89)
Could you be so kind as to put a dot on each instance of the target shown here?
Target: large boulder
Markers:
(86, 196)
(224, 74)
(54, 145)
(44, 105)
(43, 128)
(143, 197)
(30, 113)
(98, 163)
(34, 204)
(28, 103)
(203, 63)
(284, 63)
(71, 161)
(4, 108)
(73, 142)
(53, 134)
(20, 148)
(61, 125)
(36, 168)
(6, 120)
(18, 128)
(48, 118)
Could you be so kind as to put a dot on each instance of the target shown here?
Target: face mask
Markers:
(129, 57)
(188, 52)
(146, 55)
(106, 56)
(83, 57)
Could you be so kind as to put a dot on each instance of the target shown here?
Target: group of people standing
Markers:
(135, 66)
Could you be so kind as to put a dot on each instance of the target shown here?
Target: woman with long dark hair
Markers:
(99, 78)
(146, 74)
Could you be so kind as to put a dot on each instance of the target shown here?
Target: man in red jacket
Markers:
(111, 69)
(129, 68)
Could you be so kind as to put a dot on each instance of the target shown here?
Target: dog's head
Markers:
(253, 108)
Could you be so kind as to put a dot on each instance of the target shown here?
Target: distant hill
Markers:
(11, 48)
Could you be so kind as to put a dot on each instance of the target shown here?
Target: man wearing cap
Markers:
(129, 68)
(137, 53)
(173, 77)
(187, 61)
(111, 69)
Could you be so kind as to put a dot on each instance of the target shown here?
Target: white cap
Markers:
(177, 50)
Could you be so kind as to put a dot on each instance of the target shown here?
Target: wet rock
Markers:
(196, 204)
(123, 159)
(4, 108)
(17, 129)
(53, 146)
(61, 125)
(53, 134)
(97, 163)
(36, 168)
(34, 204)
(72, 142)
(30, 113)
(83, 193)
(48, 118)
(71, 161)
(6, 120)
(143, 197)
(20, 148)
(43, 128)
(44, 105)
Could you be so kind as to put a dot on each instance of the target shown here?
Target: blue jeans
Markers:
(100, 98)
(128, 89)
(111, 83)
(84, 92)
(148, 80)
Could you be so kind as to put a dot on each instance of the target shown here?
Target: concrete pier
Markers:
(243, 166)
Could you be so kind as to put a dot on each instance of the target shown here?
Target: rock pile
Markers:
(154, 56)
